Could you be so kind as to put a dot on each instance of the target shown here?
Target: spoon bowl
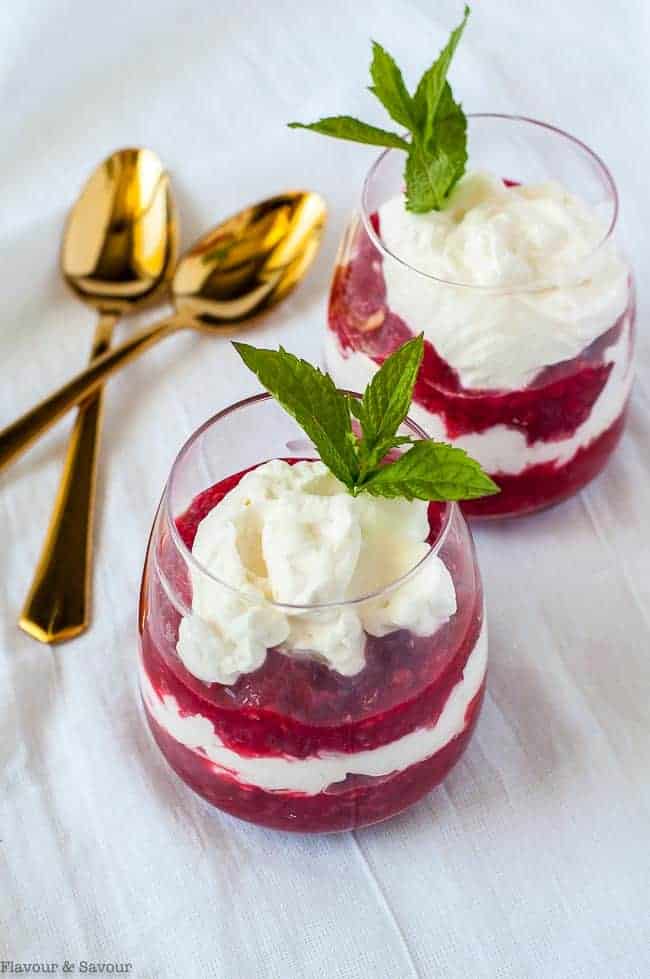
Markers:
(249, 262)
(243, 267)
(120, 240)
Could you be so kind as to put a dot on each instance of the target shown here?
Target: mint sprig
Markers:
(385, 404)
(437, 149)
(312, 398)
(425, 471)
(432, 471)
(346, 127)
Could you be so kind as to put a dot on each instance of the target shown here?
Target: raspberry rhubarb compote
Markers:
(528, 313)
(511, 272)
(312, 658)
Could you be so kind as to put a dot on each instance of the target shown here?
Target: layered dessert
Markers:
(527, 310)
(526, 306)
(311, 660)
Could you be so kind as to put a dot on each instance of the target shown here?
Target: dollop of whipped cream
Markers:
(292, 534)
(509, 238)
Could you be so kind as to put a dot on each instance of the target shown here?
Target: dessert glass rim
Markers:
(450, 511)
(534, 285)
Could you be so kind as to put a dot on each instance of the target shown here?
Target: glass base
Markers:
(541, 487)
(352, 806)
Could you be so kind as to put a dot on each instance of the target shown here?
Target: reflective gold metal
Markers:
(119, 250)
(240, 269)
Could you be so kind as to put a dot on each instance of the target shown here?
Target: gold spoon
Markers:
(244, 266)
(119, 249)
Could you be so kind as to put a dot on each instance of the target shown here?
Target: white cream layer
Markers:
(505, 238)
(313, 775)
(293, 534)
(501, 449)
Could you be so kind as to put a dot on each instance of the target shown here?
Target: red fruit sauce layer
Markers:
(546, 484)
(298, 706)
(553, 407)
(355, 802)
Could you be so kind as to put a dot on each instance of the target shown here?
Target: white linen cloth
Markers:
(533, 860)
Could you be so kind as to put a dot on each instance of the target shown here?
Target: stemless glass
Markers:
(296, 745)
(541, 442)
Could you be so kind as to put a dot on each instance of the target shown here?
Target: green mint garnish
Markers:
(346, 127)
(432, 471)
(312, 398)
(385, 404)
(437, 149)
(425, 471)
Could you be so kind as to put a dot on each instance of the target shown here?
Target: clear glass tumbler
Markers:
(542, 440)
(294, 744)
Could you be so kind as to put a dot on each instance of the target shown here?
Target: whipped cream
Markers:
(501, 449)
(293, 536)
(508, 238)
(282, 773)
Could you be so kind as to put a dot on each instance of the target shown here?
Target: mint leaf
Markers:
(311, 397)
(450, 148)
(437, 150)
(430, 177)
(386, 401)
(382, 451)
(432, 471)
(388, 86)
(426, 471)
(346, 127)
(430, 88)
(438, 153)
(420, 176)
(355, 407)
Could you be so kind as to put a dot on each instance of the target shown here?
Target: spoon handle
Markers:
(58, 602)
(15, 438)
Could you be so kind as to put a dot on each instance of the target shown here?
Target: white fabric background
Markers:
(534, 859)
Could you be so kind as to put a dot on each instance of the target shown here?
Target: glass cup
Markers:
(544, 439)
(293, 744)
